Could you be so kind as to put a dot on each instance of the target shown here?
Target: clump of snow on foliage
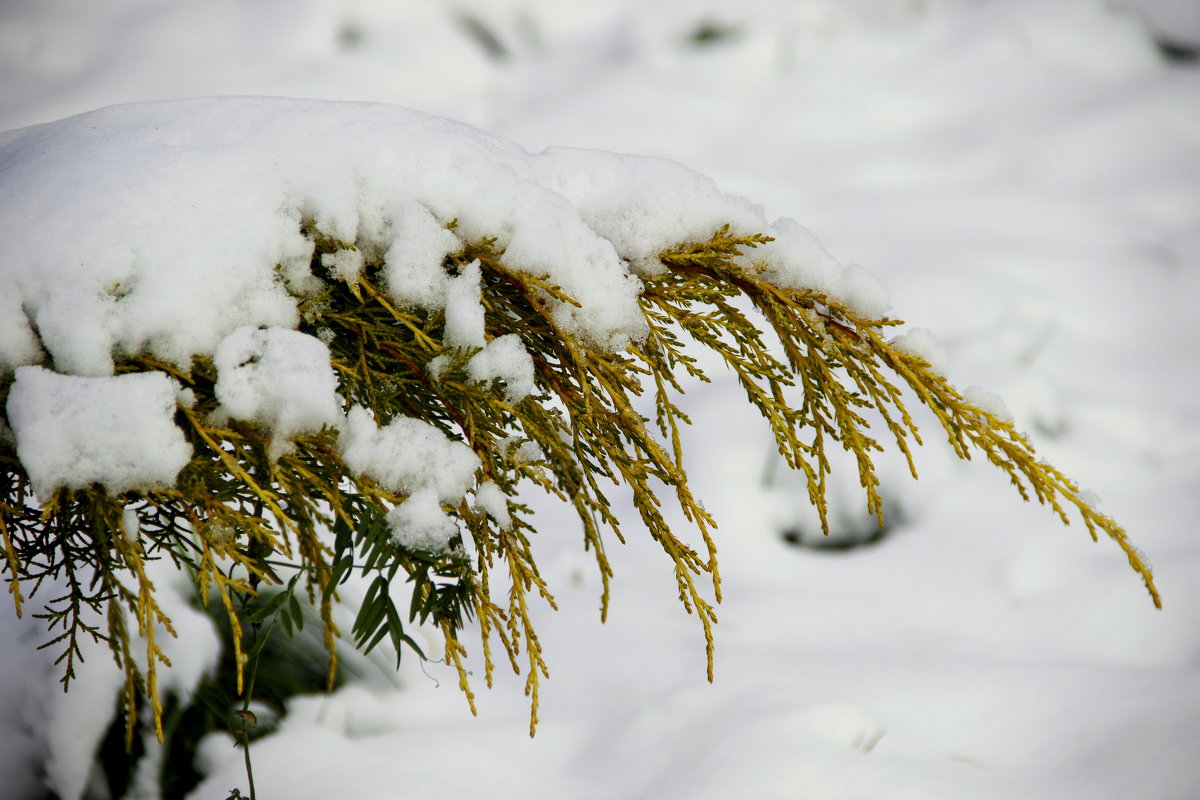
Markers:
(528, 452)
(464, 314)
(407, 455)
(118, 431)
(419, 523)
(199, 246)
(986, 401)
(131, 526)
(344, 265)
(922, 343)
(416, 245)
(521, 450)
(1092, 501)
(18, 344)
(200, 229)
(796, 260)
(506, 359)
(489, 498)
(643, 205)
(278, 377)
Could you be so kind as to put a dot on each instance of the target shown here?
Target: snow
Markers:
(399, 456)
(795, 259)
(521, 451)
(1021, 177)
(984, 400)
(76, 721)
(419, 523)
(644, 205)
(205, 199)
(146, 274)
(118, 432)
(278, 377)
(490, 499)
(413, 271)
(464, 313)
(505, 359)
(344, 265)
(59, 730)
(922, 343)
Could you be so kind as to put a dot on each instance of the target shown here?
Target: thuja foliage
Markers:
(243, 517)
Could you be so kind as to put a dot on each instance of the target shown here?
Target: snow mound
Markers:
(186, 228)
(164, 227)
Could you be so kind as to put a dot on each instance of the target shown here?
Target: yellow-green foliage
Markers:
(238, 520)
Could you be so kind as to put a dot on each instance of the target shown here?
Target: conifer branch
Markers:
(819, 375)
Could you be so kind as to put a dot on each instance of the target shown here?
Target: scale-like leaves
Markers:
(244, 516)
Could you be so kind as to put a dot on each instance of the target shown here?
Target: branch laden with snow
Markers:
(269, 338)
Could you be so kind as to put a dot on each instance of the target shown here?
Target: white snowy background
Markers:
(1022, 176)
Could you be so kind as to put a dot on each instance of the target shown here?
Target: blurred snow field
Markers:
(1023, 178)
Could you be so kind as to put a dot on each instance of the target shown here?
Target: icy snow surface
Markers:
(1023, 178)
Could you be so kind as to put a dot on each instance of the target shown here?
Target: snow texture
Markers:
(922, 343)
(278, 377)
(505, 359)
(118, 431)
(408, 455)
(419, 523)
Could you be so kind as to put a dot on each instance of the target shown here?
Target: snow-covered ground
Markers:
(1024, 178)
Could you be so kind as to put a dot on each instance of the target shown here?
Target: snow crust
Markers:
(118, 432)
